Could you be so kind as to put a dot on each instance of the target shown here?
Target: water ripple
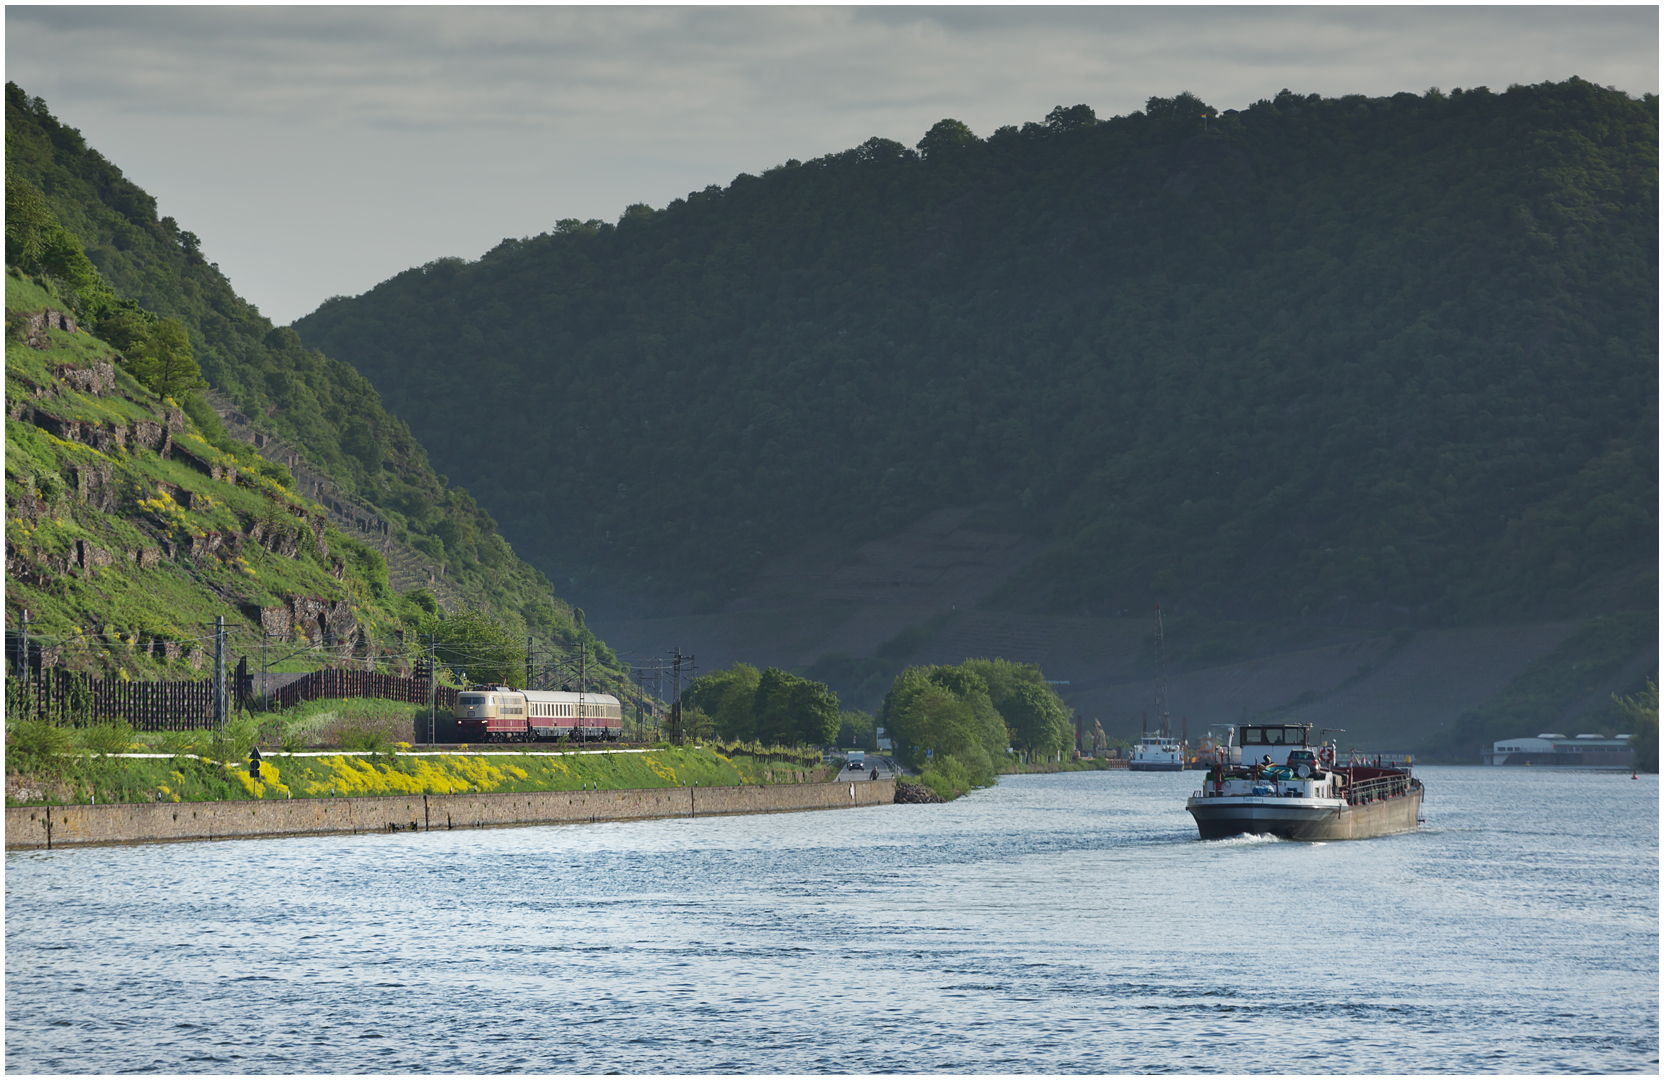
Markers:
(1065, 924)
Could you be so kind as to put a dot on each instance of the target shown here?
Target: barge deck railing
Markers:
(1384, 787)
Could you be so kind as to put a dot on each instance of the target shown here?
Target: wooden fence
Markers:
(71, 697)
(330, 683)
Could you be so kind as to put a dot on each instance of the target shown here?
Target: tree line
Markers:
(954, 723)
(1324, 358)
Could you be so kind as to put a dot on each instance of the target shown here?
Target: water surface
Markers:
(1068, 923)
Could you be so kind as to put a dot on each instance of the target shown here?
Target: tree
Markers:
(856, 728)
(163, 361)
(934, 713)
(1186, 108)
(791, 710)
(947, 137)
(1037, 718)
(814, 710)
(727, 698)
(30, 222)
(1642, 711)
(931, 724)
(469, 642)
(126, 326)
(1038, 722)
(1076, 116)
(36, 241)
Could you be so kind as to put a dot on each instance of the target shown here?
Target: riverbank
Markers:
(137, 774)
(1083, 764)
(46, 827)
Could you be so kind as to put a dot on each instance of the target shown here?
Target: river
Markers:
(1065, 923)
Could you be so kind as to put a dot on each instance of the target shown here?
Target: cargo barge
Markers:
(1298, 791)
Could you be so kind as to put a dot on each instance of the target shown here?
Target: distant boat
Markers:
(1583, 752)
(1158, 752)
(1214, 749)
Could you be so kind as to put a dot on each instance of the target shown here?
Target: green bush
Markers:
(947, 777)
(175, 742)
(36, 746)
(364, 737)
(1642, 712)
(107, 738)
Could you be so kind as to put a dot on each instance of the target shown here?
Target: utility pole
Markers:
(219, 671)
(638, 704)
(23, 666)
(676, 697)
(583, 687)
(432, 688)
(528, 662)
(1161, 680)
(23, 649)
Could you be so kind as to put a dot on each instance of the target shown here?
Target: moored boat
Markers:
(1307, 795)
(1157, 753)
(1558, 751)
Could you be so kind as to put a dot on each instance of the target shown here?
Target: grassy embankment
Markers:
(340, 748)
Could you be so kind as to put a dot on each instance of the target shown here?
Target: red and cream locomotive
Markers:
(503, 714)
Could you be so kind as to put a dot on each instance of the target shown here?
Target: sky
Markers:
(317, 151)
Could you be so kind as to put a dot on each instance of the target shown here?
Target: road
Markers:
(887, 769)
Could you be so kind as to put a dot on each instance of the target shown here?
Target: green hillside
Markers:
(317, 405)
(128, 532)
(1387, 360)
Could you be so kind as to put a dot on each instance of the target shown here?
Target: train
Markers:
(504, 714)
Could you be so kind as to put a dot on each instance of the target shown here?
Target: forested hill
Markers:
(1389, 358)
(319, 405)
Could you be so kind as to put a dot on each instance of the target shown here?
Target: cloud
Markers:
(588, 68)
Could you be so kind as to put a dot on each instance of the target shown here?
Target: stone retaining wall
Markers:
(31, 828)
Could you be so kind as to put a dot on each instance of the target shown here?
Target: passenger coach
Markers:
(503, 714)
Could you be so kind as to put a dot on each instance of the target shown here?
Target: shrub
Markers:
(377, 734)
(947, 777)
(175, 742)
(36, 745)
(107, 738)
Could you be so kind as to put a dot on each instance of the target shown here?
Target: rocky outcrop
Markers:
(106, 437)
(333, 623)
(95, 485)
(37, 324)
(277, 620)
(147, 435)
(340, 624)
(212, 469)
(96, 379)
(89, 556)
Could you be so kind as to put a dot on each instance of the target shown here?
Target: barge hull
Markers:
(1219, 818)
